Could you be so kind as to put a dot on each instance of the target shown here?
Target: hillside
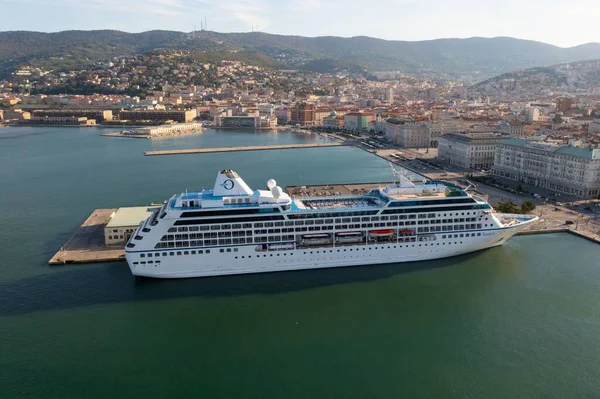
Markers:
(473, 58)
(581, 77)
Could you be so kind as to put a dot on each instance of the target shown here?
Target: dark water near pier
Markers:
(519, 321)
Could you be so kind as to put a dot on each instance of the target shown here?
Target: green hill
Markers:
(474, 58)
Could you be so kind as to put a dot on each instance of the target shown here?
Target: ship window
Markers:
(194, 228)
(180, 229)
(135, 263)
(221, 250)
(215, 227)
(247, 225)
(228, 249)
(328, 221)
(186, 253)
(178, 253)
(236, 226)
(235, 249)
(171, 253)
(200, 252)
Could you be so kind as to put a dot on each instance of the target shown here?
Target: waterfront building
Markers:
(98, 115)
(472, 151)
(60, 120)
(123, 222)
(246, 121)
(333, 121)
(564, 169)
(158, 116)
(165, 130)
(409, 134)
(304, 114)
(358, 121)
(283, 116)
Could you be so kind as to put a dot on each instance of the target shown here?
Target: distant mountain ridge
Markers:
(476, 58)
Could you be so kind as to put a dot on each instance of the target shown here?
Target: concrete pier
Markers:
(86, 245)
(249, 148)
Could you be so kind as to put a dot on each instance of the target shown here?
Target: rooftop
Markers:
(129, 216)
(592, 153)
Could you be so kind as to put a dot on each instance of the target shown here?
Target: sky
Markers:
(563, 23)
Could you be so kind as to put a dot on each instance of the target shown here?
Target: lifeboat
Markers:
(316, 239)
(406, 232)
(382, 233)
(349, 236)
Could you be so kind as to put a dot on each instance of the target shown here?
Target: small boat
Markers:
(382, 233)
(316, 239)
(349, 236)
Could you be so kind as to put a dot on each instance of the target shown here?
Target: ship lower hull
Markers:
(246, 259)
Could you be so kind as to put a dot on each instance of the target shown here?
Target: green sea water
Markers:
(519, 321)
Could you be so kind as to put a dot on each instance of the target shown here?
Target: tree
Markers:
(527, 206)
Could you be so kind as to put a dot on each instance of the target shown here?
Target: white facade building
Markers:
(570, 170)
(472, 151)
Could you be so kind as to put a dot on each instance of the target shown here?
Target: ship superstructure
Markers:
(233, 229)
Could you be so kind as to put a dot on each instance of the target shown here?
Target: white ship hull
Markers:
(248, 260)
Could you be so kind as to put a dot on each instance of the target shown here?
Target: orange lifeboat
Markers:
(382, 233)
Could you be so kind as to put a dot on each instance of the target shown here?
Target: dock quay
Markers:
(248, 148)
(102, 236)
(86, 245)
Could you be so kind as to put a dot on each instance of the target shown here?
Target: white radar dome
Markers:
(276, 191)
(271, 183)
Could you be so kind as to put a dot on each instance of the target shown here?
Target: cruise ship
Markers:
(233, 229)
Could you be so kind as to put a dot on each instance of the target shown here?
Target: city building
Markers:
(594, 126)
(358, 121)
(99, 115)
(304, 114)
(389, 95)
(333, 121)
(511, 129)
(60, 120)
(564, 104)
(246, 121)
(158, 116)
(532, 115)
(123, 223)
(471, 151)
(283, 116)
(409, 134)
(564, 169)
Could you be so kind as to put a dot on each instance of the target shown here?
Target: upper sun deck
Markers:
(338, 203)
(230, 191)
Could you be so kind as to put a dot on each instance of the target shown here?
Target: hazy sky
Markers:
(560, 22)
